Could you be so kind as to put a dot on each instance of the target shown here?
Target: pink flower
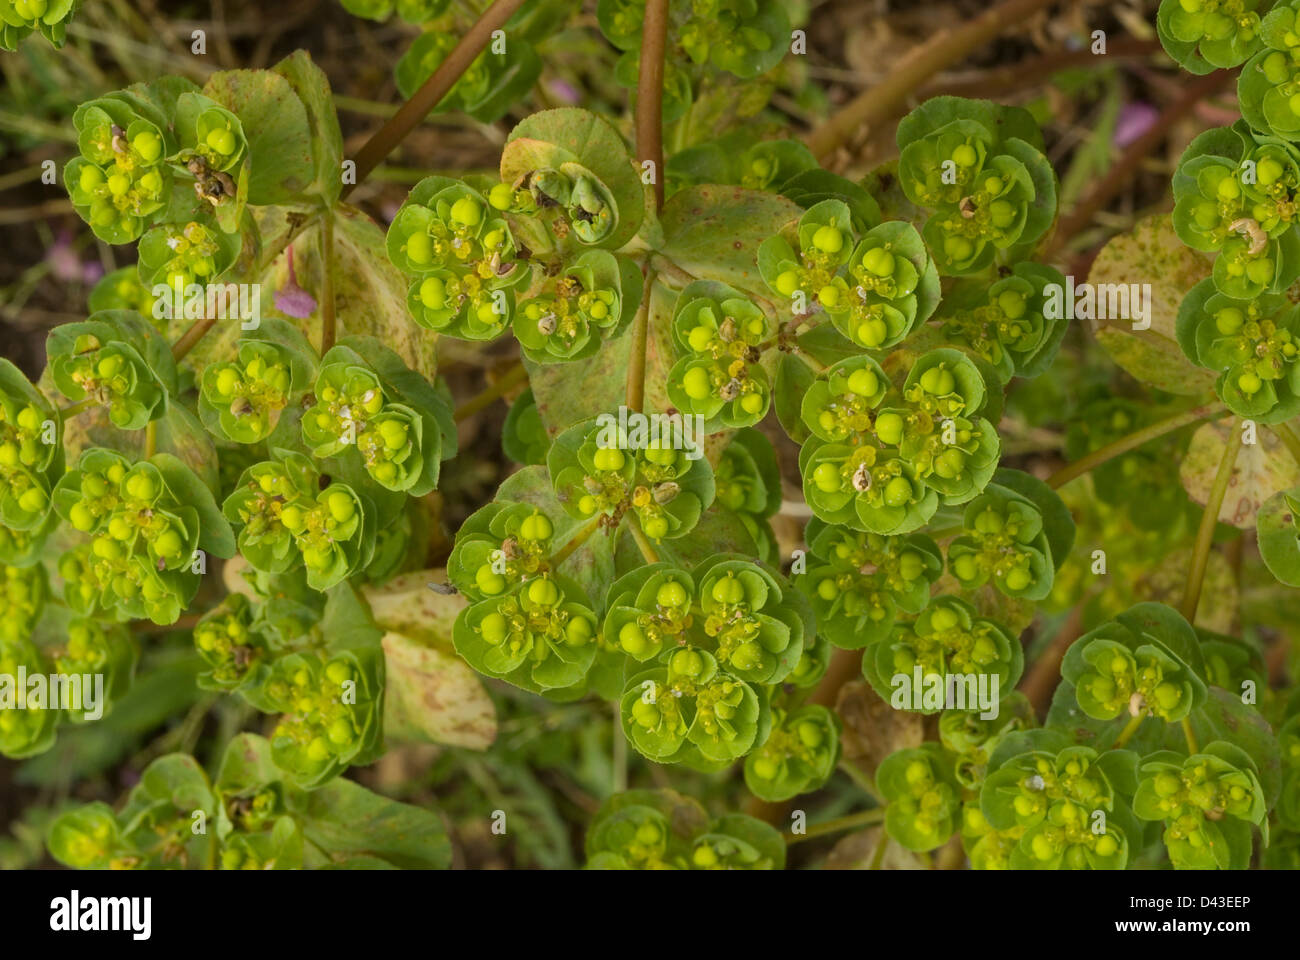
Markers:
(292, 300)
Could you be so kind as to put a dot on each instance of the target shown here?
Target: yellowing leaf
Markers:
(1261, 469)
(1151, 253)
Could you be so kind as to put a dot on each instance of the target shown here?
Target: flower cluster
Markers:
(149, 524)
(884, 466)
(875, 288)
(720, 335)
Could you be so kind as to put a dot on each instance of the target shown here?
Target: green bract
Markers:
(179, 256)
(735, 158)
(884, 466)
(922, 795)
(1005, 323)
(742, 37)
(31, 457)
(691, 712)
(600, 467)
(1266, 86)
(799, 755)
(1144, 663)
(860, 582)
(151, 526)
(499, 547)
(731, 609)
(20, 18)
(946, 655)
(1234, 192)
(27, 719)
(122, 181)
(487, 88)
(1204, 34)
(242, 400)
(464, 258)
(875, 288)
(990, 189)
(230, 644)
(116, 359)
(662, 830)
(540, 636)
(973, 738)
(415, 11)
(570, 317)
(24, 591)
(1003, 540)
(86, 838)
(1063, 802)
(1254, 343)
(332, 713)
(368, 401)
(286, 516)
(122, 290)
(720, 335)
(1206, 802)
(748, 482)
(93, 650)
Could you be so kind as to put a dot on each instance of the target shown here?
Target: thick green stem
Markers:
(642, 541)
(1134, 440)
(635, 393)
(1205, 533)
(1130, 728)
(878, 857)
(81, 406)
(1190, 736)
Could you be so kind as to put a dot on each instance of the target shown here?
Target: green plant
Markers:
(270, 488)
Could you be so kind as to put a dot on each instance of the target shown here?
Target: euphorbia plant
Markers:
(679, 327)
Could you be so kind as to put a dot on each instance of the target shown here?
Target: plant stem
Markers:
(875, 105)
(150, 439)
(413, 112)
(192, 336)
(1209, 411)
(862, 819)
(650, 94)
(1130, 728)
(1288, 437)
(503, 384)
(878, 857)
(642, 541)
(620, 751)
(1205, 533)
(635, 393)
(81, 406)
(1190, 736)
(579, 538)
(329, 322)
